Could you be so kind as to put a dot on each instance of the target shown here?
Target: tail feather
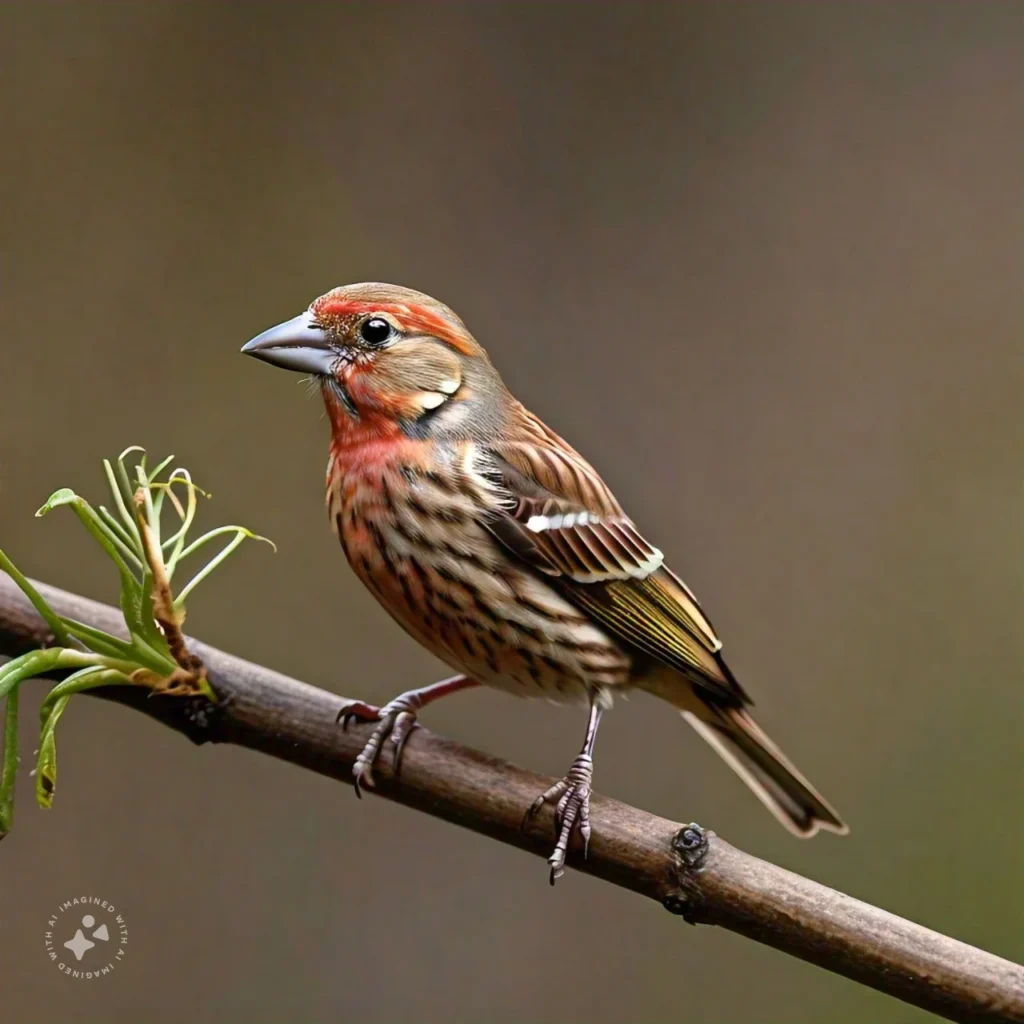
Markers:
(774, 779)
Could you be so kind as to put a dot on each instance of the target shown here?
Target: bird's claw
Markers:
(571, 797)
(395, 722)
(356, 709)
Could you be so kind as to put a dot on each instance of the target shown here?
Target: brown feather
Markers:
(560, 517)
(410, 377)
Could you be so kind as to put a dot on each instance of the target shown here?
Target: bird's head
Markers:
(388, 358)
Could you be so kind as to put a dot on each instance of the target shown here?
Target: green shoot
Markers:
(155, 655)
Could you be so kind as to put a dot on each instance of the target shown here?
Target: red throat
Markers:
(373, 436)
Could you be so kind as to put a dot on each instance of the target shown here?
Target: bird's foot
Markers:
(571, 797)
(395, 721)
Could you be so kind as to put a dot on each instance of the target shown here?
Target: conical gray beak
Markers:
(295, 345)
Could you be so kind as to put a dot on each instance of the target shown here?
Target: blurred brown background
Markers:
(761, 262)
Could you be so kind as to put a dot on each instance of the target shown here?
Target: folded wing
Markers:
(561, 519)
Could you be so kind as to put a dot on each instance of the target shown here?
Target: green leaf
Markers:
(150, 512)
(46, 764)
(111, 520)
(177, 542)
(48, 614)
(49, 715)
(131, 596)
(65, 496)
(241, 534)
(10, 764)
(37, 663)
(125, 488)
(87, 678)
(122, 510)
(160, 468)
(12, 675)
(109, 524)
(124, 650)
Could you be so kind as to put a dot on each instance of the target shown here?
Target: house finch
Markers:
(501, 550)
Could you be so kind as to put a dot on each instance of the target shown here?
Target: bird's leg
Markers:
(573, 797)
(395, 721)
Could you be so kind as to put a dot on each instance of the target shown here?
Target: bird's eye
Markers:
(375, 331)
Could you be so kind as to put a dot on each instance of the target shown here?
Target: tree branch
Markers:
(690, 871)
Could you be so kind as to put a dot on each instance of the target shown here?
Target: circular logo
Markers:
(86, 937)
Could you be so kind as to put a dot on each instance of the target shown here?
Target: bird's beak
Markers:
(295, 345)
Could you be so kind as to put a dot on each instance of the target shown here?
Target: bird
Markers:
(501, 550)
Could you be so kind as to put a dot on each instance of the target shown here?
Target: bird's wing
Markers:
(560, 518)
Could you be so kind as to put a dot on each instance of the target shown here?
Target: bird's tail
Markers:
(776, 782)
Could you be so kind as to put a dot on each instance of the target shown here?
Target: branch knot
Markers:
(690, 846)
